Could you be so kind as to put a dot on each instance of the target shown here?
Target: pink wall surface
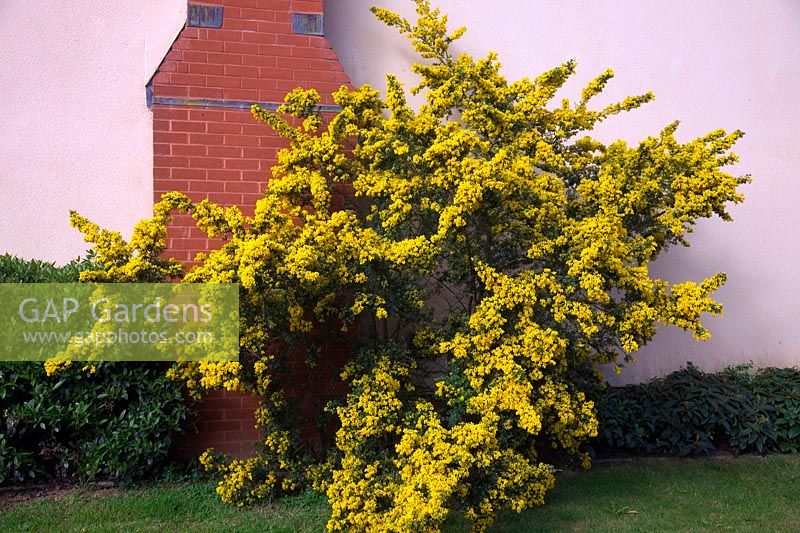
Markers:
(74, 123)
(712, 64)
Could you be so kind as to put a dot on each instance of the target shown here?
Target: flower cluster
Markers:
(479, 255)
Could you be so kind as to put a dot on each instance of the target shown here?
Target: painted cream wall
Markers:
(717, 63)
(74, 123)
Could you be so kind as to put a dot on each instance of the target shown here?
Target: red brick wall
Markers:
(225, 423)
(220, 152)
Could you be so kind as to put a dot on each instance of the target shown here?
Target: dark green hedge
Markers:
(690, 412)
(117, 423)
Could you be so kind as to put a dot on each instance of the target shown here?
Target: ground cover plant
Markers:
(489, 254)
(690, 412)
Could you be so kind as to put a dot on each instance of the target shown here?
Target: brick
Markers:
(243, 117)
(256, 128)
(259, 37)
(276, 50)
(241, 3)
(312, 75)
(217, 401)
(328, 53)
(326, 88)
(170, 161)
(212, 93)
(224, 425)
(276, 73)
(180, 125)
(224, 175)
(245, 436)
(195, 56)
(162, 113)
(181, 255)
(188, 173)
(205, 138)
(293, 62)
(306, 6)
(224, 81)
(258, 83)
(271, 95)
(241, 48)
(174, 55)
(189, 244)
(160, 173)
(283, 16)
(288, 85)
(251, 198)
(320, 64)
(228, 198)
(169, 137)
(247, 95)
(277, 5)
(281, 28)
(319, 41)
(207, 46)
(257, 14)
(173, 185)
(240, 70)
(187, 79)
(241, 140)
(260, 153)
(207, 162)
(296, 40)
(206, 68)
(220, 127)
(167, 66)
(206, 115)
(178, 232)
(225, 59)
(161, 149)
(207, 186)
(242, 186)
(224, 35)
(308, 51)
(196, 233)
(274, 141)
(245, 414)
(213, 414)
(170, 91)
(189, 149)
(242, 164)
(256, 176)
(236, 23)
(224, 151)
(261, 61)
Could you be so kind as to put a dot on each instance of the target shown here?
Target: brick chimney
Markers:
(231, 54)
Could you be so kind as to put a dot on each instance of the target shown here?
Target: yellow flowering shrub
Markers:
(488, 255)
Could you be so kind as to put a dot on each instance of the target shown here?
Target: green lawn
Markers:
(744, 494)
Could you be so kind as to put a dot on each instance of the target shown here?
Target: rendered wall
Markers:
(713, 64)
(76, 130)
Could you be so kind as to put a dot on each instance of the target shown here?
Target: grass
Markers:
(743, 494)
